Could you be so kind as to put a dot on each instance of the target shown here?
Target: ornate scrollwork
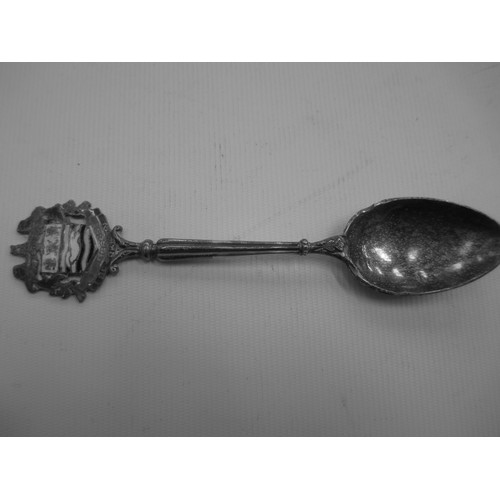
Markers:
(122, 249)
(333, 246)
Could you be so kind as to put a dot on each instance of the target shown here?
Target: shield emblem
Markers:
(67, 251)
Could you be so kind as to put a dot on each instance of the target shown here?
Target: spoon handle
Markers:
(167, 249)
(171, 248)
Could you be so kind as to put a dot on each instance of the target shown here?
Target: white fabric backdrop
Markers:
(270, 345)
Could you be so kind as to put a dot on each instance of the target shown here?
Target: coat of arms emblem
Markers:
(67, 251)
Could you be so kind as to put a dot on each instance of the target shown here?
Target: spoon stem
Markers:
(167, 249)
(170, 248)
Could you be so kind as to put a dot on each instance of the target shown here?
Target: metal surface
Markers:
(400, 246)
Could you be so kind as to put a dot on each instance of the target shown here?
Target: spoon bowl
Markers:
(414, 246)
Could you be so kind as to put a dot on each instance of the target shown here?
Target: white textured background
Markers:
(270, 345)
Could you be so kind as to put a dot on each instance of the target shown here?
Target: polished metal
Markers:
(400, 246)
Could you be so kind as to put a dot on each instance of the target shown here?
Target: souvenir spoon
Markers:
(400, 246)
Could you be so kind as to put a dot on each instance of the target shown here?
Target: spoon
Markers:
(400, 246)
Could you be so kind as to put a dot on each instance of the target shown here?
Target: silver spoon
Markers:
(400, 246)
